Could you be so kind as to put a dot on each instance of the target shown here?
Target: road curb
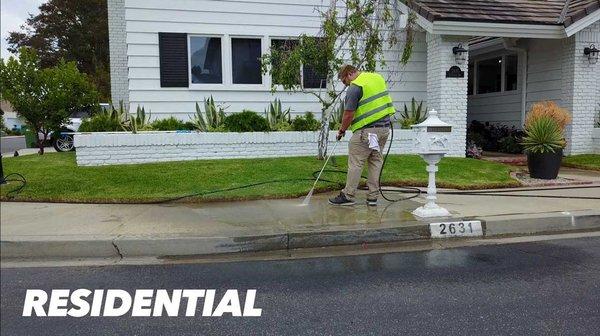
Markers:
(172, 246)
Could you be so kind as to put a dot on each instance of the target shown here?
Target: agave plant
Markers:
(275, 113)
(212, 118)
(139, 121)
(413, 116)
(543, 135)
(215, 114)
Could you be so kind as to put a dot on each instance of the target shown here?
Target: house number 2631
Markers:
(456, 229)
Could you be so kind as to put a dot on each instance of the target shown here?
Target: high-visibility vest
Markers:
(375, 103)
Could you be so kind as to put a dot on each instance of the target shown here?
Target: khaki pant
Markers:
(358, 153)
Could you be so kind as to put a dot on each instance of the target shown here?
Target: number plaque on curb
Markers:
(456, 229)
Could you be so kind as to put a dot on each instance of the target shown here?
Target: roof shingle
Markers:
(546, 12)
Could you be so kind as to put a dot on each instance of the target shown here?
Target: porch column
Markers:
(448, 95)
(581, 89)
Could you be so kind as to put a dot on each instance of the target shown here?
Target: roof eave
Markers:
(582, 23)
(470, 28)
(519, 30)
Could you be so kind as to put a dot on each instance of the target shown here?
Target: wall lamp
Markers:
(592, 53)
(460, 53)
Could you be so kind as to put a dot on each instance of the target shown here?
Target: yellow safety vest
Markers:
(375, 103)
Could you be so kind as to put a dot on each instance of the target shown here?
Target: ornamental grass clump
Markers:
(548, 109)
(544, 128)
(543, 135)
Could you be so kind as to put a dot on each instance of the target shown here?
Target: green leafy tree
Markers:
(44, 98)
(356, 33)
(73, 30)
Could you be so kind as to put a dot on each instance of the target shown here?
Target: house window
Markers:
(489, 75)
(246, 53)
(311, 78)
(510, 72)
(283, 46)
(206, 60)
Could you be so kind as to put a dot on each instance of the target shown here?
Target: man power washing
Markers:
(368, 107)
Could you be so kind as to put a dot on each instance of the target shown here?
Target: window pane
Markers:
(283, 46)
(470, 78)
(511, 72)
(489, 75)
(246, 61)
(311, 78)
(206, 59)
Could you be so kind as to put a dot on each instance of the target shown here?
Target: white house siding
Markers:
(275, 18)
(498, 107)
(544, 71)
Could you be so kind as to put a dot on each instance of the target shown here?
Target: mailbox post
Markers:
(431, 142)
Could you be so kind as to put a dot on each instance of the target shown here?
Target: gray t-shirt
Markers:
(353, 96)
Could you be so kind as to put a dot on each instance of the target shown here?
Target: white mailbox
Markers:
(432, 141)
(432, 135)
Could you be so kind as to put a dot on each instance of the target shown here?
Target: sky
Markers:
(13, 14)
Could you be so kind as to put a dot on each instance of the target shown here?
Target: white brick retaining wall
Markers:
(596, 140)
(107, 148)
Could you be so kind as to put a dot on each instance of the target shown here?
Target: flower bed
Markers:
(108, 148)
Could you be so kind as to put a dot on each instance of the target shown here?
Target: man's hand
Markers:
(340, 135)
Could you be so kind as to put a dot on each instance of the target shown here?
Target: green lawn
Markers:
(584, 161)
(56, 177)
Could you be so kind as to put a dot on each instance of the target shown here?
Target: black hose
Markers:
(14, 192)
(381, 190)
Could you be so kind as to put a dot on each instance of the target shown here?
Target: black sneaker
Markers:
(372, 202)
(341, 199)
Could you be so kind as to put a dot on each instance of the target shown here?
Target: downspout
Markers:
(524, 56)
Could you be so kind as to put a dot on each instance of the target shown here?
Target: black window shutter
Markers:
(173, 51)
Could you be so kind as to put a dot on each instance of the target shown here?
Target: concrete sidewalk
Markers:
(44, 230)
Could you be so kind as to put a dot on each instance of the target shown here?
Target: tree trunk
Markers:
(324, 134)
(41, 142)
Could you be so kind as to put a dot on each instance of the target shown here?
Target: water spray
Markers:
(312, 190)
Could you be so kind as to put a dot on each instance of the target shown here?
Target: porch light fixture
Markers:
(592, 53)
(460, 53)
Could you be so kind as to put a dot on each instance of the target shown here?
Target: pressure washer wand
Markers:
(310, 193)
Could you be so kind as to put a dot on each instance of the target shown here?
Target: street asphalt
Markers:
(539, 288)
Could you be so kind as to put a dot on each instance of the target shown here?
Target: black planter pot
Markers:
(544, 166)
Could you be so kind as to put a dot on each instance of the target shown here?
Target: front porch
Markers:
(511, 61)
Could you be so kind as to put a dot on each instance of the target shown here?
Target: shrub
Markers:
(101, 122)
(548, 109)
(510, 144)
(413, 116)
(282, 126)
(492, 137)
(543, 135)
(306, 123)
(169, 124)
(246, 121)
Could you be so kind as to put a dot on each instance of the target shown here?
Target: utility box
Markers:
(432, 136)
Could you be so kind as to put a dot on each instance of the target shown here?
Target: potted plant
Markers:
(544, 139)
